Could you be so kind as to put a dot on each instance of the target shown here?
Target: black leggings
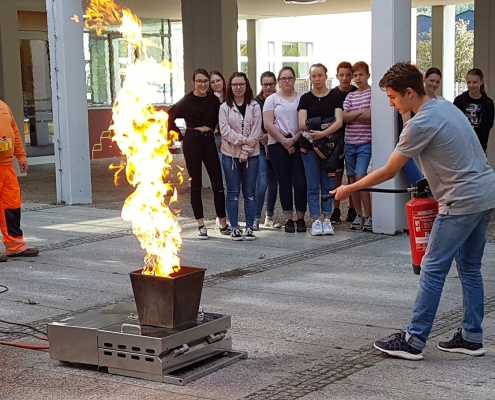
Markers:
(199, 148)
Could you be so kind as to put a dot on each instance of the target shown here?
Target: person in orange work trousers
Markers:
(10, 191)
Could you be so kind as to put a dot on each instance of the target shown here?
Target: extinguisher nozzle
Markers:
(416, 269)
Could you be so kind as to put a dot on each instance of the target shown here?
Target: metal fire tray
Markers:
(112, 337)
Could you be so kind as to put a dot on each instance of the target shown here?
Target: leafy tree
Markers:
(464, 41)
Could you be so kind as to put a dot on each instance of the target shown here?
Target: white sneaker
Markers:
(270, 223)
(256, 224)
(316, 228)
(368, 225)
(327, 227)
(357, 224)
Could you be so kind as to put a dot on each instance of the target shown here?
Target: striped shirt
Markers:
(358, 132)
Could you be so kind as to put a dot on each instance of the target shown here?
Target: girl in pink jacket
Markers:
(240, 126)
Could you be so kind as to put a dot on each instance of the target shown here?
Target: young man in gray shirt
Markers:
(445, 145)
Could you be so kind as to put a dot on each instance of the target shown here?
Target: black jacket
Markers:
(487, 115)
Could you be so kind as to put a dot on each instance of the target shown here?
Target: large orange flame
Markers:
(142, 136)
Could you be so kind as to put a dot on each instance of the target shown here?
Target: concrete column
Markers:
(210, 36)
(10, 63)
(484, 55)
(251, 51)
(70, 112)
(391, 43)
(443, 47)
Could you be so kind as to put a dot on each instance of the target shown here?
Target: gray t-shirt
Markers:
(449, 153)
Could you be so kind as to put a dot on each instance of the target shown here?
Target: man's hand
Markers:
(342, 192)
(23, 166)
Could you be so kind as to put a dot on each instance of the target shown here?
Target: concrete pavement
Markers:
(307, 310)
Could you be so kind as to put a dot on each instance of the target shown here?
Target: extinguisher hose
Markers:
(329, 196)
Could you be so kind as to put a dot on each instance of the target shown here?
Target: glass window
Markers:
(108, 54)
(295, 49)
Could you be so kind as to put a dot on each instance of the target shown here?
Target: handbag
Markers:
(329, 148)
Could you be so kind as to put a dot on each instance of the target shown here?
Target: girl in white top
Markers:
(280, 117)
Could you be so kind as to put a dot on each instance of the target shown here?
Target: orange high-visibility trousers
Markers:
(10, 210)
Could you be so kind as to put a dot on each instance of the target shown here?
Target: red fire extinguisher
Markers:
(421, 212)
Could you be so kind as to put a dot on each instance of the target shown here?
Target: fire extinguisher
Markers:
(421, 212)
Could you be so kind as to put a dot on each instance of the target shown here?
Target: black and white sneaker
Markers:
(249, 234)
(459, 345)
(399, 347)
(225, 231)
(202, 232)
(236, 234)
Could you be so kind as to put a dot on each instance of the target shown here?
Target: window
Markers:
(108, 54)
(243, 56)
(297, 55)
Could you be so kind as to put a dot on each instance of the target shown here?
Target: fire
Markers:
(141, 134)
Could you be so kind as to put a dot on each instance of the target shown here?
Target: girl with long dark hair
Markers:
(240, 127)
(199, 109)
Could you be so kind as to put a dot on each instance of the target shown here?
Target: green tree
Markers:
(464, 41)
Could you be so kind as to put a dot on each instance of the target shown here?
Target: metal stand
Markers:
(112, 337)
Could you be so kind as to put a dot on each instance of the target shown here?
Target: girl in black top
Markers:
(477, 106)
(323, 103)
(199, 109)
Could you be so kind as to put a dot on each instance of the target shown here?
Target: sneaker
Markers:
(202, 232)
(368, 225)
(270, 223)
(351, 215)
(357, 224)
(289, 226)
(249, 234)
(225, 231)
(301, 225)
(458, 345)
(256, 224)
(335, 217)
(399, 347)
(25, 253)
(327, 227)
(236, 235)
(316, 228)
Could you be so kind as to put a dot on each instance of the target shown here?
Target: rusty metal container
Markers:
(168, 302)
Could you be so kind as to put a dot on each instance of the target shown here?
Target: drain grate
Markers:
(85, 240)
(282, 261)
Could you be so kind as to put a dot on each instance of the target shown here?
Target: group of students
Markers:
(263, 146)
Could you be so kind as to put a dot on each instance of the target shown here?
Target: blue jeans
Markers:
(412, 171)
(290, 174)
(357, 158)
(461, 237)
(266, 180)
(317, 179)
(239, 174)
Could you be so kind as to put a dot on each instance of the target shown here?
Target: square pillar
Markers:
(391, 43)
(251, 53)
(210, 36)
(484, 55)
(70, 111)
(10, 63)
(443, 47)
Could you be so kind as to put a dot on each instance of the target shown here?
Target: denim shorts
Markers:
(357, 158)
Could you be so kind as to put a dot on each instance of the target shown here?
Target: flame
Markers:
(75, 18)
(142, 136)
